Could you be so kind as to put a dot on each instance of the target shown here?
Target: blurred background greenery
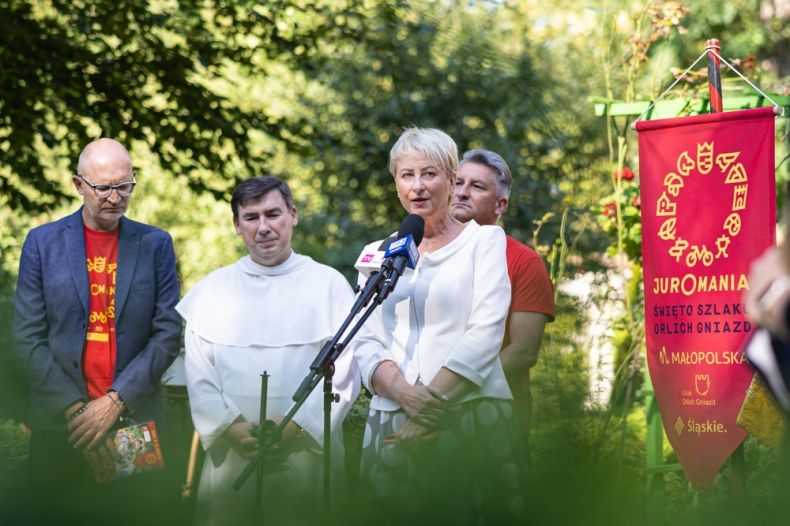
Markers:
(207, 93)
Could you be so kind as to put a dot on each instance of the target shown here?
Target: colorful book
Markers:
(136, 450)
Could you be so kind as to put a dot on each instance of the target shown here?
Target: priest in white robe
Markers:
(271, 311)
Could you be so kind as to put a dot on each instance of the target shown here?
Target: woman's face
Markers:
(423, 188)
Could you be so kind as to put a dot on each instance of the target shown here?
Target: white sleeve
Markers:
(212, 411)
(370, 345)
(478, 350)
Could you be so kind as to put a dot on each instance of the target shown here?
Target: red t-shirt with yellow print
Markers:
(98, 360)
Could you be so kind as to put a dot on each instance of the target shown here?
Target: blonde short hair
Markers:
(434, 144)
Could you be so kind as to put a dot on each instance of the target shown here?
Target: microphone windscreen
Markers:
(414, 225)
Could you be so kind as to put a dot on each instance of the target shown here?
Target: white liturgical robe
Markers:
(242, 320)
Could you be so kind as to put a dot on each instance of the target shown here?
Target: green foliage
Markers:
(353, 433)
(420, 64)
(140, 71)
(628, 210)
(576, 455)
(559, 380)
(14, 440)
(745, 28)
(13, 387)
(209, 93)
(760, 502)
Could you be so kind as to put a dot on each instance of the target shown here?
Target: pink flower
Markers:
(635, 201)
(610, 209)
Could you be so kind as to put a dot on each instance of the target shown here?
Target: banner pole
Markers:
(713, 49)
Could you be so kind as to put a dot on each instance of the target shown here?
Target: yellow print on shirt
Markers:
(100, 317)
(97, 264)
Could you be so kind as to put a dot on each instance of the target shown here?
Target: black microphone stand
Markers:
(377, 288)
(258, 509)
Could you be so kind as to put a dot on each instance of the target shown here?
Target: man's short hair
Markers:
(434, 144)
(257, 187)
(495, 162)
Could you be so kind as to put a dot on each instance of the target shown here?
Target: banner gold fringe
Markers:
(760, 415)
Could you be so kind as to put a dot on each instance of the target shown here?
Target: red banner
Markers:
(708, 208)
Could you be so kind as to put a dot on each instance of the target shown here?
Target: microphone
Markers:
(402, 252)
(369, 261)
(381, 281)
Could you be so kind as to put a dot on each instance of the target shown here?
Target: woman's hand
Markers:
(422, 406)
(418, 402)
(412, 433)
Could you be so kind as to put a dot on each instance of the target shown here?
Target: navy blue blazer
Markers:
(52, 309)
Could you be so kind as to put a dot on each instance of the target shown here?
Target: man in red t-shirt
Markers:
(482, 191)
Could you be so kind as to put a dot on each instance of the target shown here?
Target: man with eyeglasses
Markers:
(95, 327)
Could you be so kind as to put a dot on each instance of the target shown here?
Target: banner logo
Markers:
(702, 383)
(667, 206)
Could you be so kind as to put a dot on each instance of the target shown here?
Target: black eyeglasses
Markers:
(103, 191)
